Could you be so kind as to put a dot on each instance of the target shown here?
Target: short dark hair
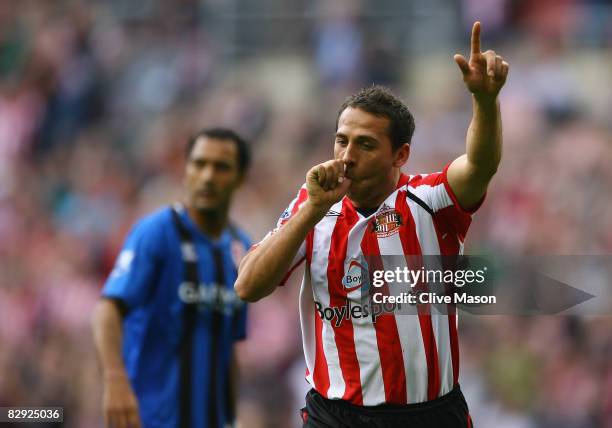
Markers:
(244, 153)
(379, 101)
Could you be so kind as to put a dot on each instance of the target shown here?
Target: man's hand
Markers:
(326, 184)
(485, 73)
(119, 403)
(263, 268)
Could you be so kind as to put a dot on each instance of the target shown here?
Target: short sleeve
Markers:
(289, 212)
(435, 191)
(135, 272)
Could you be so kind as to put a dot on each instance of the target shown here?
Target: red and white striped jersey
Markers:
(398, 359)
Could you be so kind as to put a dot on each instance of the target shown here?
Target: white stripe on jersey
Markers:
(366, 345)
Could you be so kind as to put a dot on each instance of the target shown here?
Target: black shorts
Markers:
(448, 411)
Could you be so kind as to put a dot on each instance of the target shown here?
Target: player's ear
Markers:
(401, 155)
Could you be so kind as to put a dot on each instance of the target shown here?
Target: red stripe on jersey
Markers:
(427, 179)
(344, 334)
(460, 223)
(412, 249)
(309, 245)
(387, 335)
(403, 180)
(447, 237)
(302, 196)
(431, 353)
(320, 375)
(299, 199)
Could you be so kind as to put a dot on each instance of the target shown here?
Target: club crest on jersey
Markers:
(387, 222)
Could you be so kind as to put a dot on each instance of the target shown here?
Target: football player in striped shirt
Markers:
(388, 370)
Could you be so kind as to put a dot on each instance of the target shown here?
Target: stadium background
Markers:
(98, 97)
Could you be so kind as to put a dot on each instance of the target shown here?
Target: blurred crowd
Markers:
(97, 99)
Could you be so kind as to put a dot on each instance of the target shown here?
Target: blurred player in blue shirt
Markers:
(169, 317)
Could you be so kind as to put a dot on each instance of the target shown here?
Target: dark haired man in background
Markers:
(393, 370)
(169, 316)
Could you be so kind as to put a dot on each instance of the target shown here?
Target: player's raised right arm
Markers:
(263, 268)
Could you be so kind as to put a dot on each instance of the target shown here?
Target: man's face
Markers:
(212, 174)
(362, 142)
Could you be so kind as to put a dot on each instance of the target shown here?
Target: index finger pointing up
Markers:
(476, 38)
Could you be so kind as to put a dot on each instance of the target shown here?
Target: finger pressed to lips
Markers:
(330, 173)
(336, 172)
(339, 168)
